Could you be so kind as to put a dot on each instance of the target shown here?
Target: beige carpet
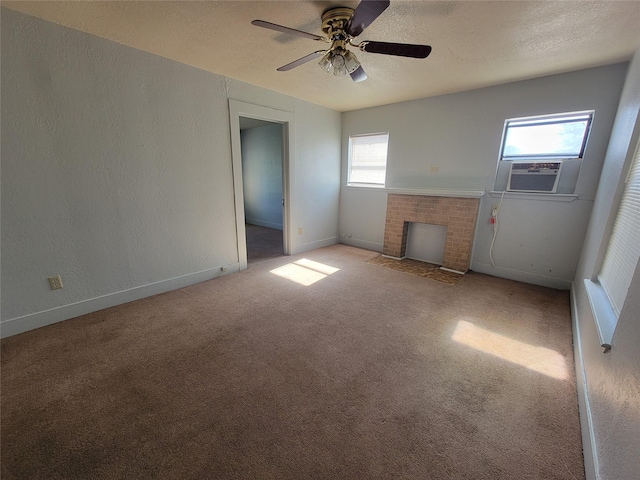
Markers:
(364, 373)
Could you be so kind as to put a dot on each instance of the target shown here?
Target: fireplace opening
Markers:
(425, 242)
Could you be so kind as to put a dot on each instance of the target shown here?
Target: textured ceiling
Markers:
(475, 43)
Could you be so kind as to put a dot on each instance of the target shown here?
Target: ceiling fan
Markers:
(341, 25)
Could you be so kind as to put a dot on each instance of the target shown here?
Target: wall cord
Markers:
(494, 216)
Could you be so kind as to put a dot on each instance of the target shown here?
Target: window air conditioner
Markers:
(534, 177)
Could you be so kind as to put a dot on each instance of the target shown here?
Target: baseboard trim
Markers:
(591, 466)
(15, 326)
(305, 247)
(367, 245)
(519, 276)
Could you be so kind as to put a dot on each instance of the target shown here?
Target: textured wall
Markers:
(317, 175)
(117, 170)
(539, 239)
(262, 175)
(612, 379)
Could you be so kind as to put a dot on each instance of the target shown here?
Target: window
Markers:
(368, 159)
(623, 250)
(607, 295)
(561, 136)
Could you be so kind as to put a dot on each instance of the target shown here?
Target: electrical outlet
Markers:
(434, 169)
(494, 210)
(299, 230)
(55, 282)
(223, 268)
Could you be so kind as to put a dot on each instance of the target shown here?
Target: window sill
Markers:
(603, 315)
(554, 197)
(365, 185)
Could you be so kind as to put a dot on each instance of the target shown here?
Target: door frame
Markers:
(239, 109)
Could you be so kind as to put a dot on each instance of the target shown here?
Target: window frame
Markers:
(556, 118)
(620, 249)
(607, 305)
(350, 160)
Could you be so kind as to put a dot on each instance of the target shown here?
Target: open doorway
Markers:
(261, 151)
(248, 113)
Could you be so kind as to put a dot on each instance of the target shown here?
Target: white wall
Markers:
(609, 383)
(117, 172)
(317, 178)
(539, 239)
(262, 175)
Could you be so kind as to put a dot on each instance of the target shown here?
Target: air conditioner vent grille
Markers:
(534, 177)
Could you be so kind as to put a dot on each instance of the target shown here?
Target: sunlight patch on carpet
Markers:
(304, 271)
(539, 359)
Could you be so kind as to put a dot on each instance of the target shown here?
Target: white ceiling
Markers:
(475, 43)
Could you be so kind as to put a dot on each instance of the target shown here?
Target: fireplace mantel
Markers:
(437, 192)
(432, 192)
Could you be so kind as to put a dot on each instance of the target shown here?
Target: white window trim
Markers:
(604, 312)
(349, 183)
(542, 119)
(603, 315)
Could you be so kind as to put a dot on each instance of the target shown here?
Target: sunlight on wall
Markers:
(540, 359)
(305, 272)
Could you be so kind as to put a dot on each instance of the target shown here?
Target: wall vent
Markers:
(534, 177)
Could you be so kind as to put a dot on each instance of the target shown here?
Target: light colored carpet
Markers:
(365, 373)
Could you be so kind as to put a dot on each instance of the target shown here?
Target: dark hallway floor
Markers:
(263, 243)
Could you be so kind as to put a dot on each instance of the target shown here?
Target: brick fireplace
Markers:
(458, 214)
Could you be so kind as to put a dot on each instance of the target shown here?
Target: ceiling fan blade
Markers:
(300, 61)
(398, 49)
(290, 31)
(358, 75)
(364, 15)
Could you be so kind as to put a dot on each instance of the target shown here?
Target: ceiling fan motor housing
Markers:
(342, 25)
(335, 20)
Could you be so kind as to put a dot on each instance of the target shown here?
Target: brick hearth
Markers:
(456, 213)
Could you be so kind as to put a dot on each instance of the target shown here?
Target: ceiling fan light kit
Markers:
(339, 62)
(341, 25)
